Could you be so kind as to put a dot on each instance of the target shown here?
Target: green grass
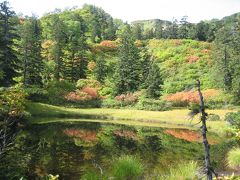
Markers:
(127, 167)
(183, 171)
(233, 158)
(43, 113)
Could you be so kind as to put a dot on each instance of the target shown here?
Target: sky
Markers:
(131, 10)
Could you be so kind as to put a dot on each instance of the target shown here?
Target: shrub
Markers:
(233, 158)
(89, 175)
(110, 103)
(185, 97)
(108, 45)
(57, 90)
(36, 94)
(153, 105)
(213, 117)
(233, 119)
(187, 170)
(127, 167)
(128, 99)
(81, 83)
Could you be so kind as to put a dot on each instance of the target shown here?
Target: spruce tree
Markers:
(9, 63)
(100, 69)
(128, 71)
(58, 35)
(154, 82)
(32, 64)
(75, 63)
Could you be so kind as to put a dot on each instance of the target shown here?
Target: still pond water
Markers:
(72, 149)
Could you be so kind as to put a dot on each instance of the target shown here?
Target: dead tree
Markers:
(208, 169)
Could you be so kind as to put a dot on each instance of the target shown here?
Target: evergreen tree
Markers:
(58, 35)
(75, 63)
(183, 28)
(158, 31)
(137, 31)
(145, 65)
(100, 69)
(227, 59)
(154, 82)
(127, 77)
(30, 43)
(9, 63)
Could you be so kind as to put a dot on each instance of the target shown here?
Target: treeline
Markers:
(63, 45)
(159, 29)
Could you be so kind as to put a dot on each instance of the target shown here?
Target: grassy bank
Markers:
(43, 113)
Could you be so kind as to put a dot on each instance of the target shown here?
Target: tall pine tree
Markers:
(154, 82)
(32, 64)
(9, 63)
(76, 62)
(128, 72)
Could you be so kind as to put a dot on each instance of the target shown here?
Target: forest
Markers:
(86, 96)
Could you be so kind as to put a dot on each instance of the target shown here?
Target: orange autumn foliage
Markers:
(188, 135)
(191, 96)
(109, 44)
(84, 135)
(192, 59)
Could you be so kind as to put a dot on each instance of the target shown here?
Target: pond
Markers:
(72, 149)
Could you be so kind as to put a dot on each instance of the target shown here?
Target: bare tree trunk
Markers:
(209, 170)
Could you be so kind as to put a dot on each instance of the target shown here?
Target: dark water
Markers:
(72, 149)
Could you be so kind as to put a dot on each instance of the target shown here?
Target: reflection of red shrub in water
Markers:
(126, 134)
(188, 135)
(84, 135)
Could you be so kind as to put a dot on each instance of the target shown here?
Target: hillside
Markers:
(182, 62)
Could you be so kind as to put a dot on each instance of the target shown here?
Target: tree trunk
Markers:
(204, 133)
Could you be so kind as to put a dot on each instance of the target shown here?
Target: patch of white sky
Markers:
(131, 10)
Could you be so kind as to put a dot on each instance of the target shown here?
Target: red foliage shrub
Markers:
(84, 135)
(84, 94)
(92, 92)
(129, 98)
(191, 96)
(109, 44)
(192, 59)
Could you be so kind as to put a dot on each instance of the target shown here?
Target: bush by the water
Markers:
(127, 168)
(187, 170)
(233, 119)
(233, 158)
(153, 105)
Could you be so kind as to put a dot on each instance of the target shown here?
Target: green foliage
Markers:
(8, 58)
(127, 167)
(30, 47)
(57, 90)
(186, 170)
(181, 62)
(213, 117)
(127, 76)
(233, 158)
(89, 175)
(153, 82)
(81, 83)
(37, 94)
(152, 105)
(100, 70)
(233, 119)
